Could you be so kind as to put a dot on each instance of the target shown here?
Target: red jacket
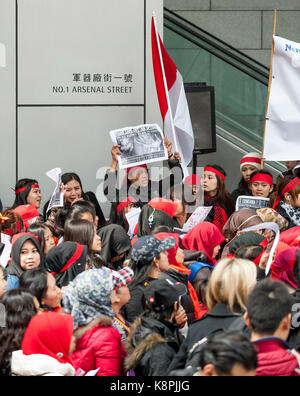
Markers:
(274, 359)
(99, 346)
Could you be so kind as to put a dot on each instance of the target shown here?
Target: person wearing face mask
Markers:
(153, 342)
(137, 183)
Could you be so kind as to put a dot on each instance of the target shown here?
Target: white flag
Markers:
(282, 139)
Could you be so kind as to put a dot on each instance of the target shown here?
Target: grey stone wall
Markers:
(245, 24)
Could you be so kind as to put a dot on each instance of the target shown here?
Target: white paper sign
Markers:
(133, 218)
(57, 198)
(2, 55)
(282, 141)
(140, 145)
(197, 217)
(248, 202)
(267, 226)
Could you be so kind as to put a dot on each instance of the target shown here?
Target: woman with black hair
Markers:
(27, 192)
(119, 210)
(43, 286)
(44, 234)
(286, 200)
(216, 196)
(261, 184)
(20, 307)
(149, 259)
(71, 187)
(84, 233)
(250, 163)
(137, 183)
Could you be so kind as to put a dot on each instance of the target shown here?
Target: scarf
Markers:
(157, 212)
(250, 238)
(115, 242)
(66, 261)
(88, 296)
(49, 334)
(14, 267)
(292, 213)
(180, 268)
(240, 220)
(204, 237)
(283, 267)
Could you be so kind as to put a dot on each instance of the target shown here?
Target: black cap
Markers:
(163, 293)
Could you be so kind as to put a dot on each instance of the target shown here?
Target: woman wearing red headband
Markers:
(216, 195)
(137, 184)
(286, 201)
(250, 163)
(27, 192)
(261, 184)
(119, 210)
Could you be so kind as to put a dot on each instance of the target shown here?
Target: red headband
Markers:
(125, 203)
(213, 170)
(290, 187)
(251, 159)
(12, 231)
(24, 188)
(262, 177)
(20, 190)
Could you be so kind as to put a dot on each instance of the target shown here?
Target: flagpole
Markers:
(269, 87)
(165, 83)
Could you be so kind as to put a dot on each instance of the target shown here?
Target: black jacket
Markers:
(134, 307)
(186, 300)
(151, 346)
(144, 195)
(218, 320)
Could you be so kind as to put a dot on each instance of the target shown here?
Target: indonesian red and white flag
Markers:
(177, 121)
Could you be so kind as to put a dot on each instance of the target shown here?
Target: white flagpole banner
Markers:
(2, 55)
(282, 134)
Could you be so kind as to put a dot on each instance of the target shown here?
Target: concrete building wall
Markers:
(246, 25)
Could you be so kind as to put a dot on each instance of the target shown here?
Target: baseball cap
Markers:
(122, 277)
(163, 293)
(147, 247)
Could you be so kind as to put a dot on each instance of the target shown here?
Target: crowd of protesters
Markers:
(84, 296)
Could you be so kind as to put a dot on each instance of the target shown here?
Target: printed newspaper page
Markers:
(140, 145)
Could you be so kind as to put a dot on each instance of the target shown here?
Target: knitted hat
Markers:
(253, 159)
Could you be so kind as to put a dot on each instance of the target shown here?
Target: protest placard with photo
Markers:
(139, 145)
(246, 202)
(199, 216)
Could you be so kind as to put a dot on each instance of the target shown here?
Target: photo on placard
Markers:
(140, 145)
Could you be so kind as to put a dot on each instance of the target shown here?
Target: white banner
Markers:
(282, 140)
